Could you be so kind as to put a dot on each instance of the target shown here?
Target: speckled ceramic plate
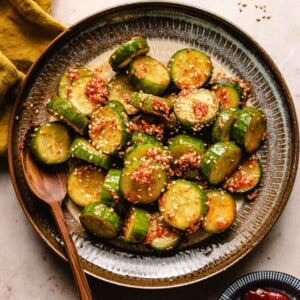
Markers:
(268, 280)
(168, 27)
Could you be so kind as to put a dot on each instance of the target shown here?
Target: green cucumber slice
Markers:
(160, 236)
(120, 89)
(246, 177)
(107, 130)
(149, 75)
(142, 182)
(222, 126)
(187, 152)
(100, 220)
(147, 151)
(84, 185)
(136, 225)
(151, 104)
(221, 211)
(190, 68)
(249, 129)
(50, 143)
(65, 111)
(196, 108)
(111, 188)
(66, 79)
(125, 53)
(77, 95)
(138, 137)
(229, 92)
(219, 161)
(83, 149)
(183, 205)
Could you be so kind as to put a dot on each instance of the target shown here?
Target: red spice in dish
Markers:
(72, 74)
(96, 91)
(156, 130)
(264, 294)
(200, 110)
(143, 174)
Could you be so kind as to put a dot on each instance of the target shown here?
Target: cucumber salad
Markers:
(157, 152)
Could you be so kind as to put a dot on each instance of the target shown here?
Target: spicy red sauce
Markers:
(264, 294)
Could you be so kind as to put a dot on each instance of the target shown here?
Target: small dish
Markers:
(270, 280)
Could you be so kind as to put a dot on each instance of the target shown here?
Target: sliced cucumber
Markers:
(190, 68)
(66, 79)
(183, 205)
(111, 189)
(220, 160)
(83, 149)
(125, 53)
(108, 130)
(147, 151)
(149, 75)
(120, 89)
(152, 104)
(136, 225)
(196, 108)
(142, 182)
(50, 144)
(78, 97)
(249, 129)
(221, 211)
(222, 126)
(85, 185)
(187, 152)
(229, 92)
(138, 137)
(246, 177)
(100, 220)
(161, 237)
(65, 111)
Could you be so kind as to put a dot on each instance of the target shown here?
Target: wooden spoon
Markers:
(50, 186)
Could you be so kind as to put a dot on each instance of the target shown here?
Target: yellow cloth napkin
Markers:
(26, 29)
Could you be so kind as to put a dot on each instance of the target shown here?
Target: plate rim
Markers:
(195, 11)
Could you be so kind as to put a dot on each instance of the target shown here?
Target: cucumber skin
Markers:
(139, 193)
(101, 213)
(177, 80)
(141, 137)
(140, 226)
(36, 153)
(257, 168)
(82, 149)
(124, 54)
(66, 112)
(143, 81)
(241, 127)
(111, 188)
(202, 204)
(221, 131)
(147, 103)
(225, 223)
(121, 123)
(212, 155)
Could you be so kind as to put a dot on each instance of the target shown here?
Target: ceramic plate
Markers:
(269, 280)
(168, 27)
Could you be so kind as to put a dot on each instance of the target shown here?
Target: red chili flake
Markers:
(96, 91)
(97, 128)
(72, 74)
(160, 106)
(188, 161)
(156, 130)
(143, 174)
(200, 110)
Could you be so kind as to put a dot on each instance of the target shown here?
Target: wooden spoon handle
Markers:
(78, 274)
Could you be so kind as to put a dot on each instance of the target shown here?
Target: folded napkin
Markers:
(26, 29)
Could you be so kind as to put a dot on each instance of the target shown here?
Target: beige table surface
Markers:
(29, 269)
